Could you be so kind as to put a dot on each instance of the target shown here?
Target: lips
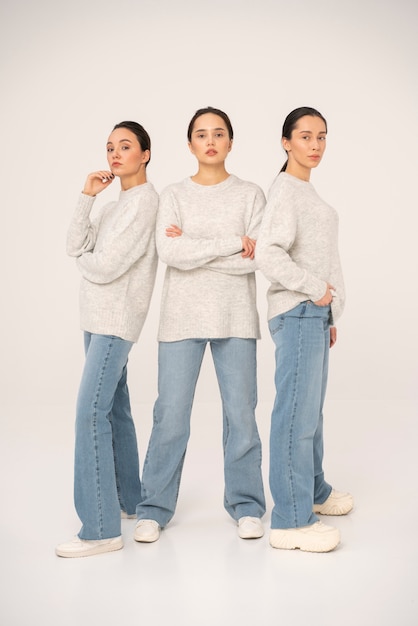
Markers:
(211, 152)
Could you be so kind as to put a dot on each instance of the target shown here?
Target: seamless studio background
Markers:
(69, 72)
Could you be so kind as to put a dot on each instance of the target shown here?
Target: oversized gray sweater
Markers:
(209, 290)
(117, 258)
(297, 248)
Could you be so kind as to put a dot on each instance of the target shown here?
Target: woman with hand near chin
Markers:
(117, 259)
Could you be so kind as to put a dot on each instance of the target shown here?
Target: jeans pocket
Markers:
(318, 306)
(276, 324)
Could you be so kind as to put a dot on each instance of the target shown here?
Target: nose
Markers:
(210, 140)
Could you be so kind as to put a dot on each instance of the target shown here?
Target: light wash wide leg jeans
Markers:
(179, 367)
(296, 476)
(106, 476)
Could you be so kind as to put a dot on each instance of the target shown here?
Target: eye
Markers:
(110, 149)
(125, 147)
(322, 138)
(219, 135)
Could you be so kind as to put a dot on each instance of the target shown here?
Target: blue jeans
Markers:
(106, 476)
(179, 367)
(296, 476)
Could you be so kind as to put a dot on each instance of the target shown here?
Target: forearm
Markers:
(278, 267)
(108, 265)
(234, 264)
(185, 253)
(81, 235)
(130, 240)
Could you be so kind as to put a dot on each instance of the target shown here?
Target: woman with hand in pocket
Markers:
(297, 251)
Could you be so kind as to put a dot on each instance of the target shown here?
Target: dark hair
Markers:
(221, 114)
(140, 133)
(293, 118)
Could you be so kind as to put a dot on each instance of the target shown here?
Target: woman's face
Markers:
(124, 154)
(210, 142)
(306, 145)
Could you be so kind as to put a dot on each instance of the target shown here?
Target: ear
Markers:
(190, 147)
(231, 141)
(286, 144)
(146, 155)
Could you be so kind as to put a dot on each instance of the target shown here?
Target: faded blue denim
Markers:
(296, 476)
(179, 367)
(106, 477)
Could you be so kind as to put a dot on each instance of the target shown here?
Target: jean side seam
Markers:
(96, 447)
(117, 479)
(292, 423)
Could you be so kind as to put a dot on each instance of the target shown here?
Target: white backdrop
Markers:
(70, 71)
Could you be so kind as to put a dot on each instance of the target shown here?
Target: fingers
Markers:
(97, 181)
(248, 247)
(173, 231)
(106, 177)
(327, 297)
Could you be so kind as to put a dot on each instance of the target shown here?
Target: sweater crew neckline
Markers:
(222, 185)
(125, 193)
(295, 179)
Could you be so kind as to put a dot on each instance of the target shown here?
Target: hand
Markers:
(326, 298)
(173, 231)
(97, 181)
(332, 336)
(248, 247)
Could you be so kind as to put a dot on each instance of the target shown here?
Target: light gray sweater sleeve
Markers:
(128, 241)
(236, 264)
(82, 233)
(277, 235)
(185, 252)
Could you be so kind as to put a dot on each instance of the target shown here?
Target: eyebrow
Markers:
(201, 130)
(309, 132)
(110, 143)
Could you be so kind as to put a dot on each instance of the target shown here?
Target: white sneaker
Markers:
(337, 503)
(147, 531)
(315, 538)
(83, 547)
(250, 527)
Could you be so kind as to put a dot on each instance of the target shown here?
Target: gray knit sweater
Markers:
(209, 289)
(117, 258)
(297, 248)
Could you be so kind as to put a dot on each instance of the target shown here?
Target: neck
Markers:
(304, 173)
(133, 181)
(209, 175)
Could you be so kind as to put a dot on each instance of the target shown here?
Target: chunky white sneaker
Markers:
(147, 531)
(250, 527)
(124, 515)
(81, 547)
(337, 503)
(315, 538)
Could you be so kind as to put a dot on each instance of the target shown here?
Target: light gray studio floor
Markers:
(200, 573)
